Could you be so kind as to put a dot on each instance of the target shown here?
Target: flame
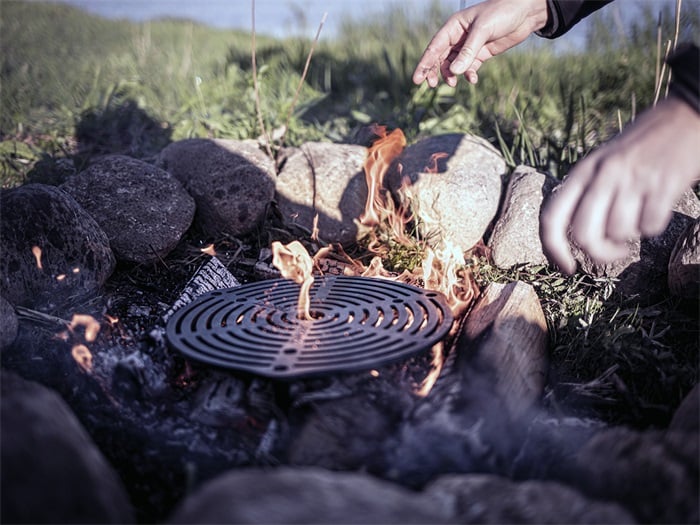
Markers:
(379, 157)
(434, 159)
(314, 230)
(91, 325)
(37, 255)
(295, 263)
(209, 250)
(83, 357)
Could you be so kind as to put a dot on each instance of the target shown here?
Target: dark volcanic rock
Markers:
(51, 470)
(144, 210)
(8, 323)
(52, 249)
(304, 495)
(232, 182)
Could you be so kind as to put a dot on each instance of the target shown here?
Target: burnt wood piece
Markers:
(506, 333)
(212, 275)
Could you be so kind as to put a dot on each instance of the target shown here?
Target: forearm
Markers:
(564, 14)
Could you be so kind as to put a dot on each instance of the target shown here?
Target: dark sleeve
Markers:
(685, 81)
(565, 14)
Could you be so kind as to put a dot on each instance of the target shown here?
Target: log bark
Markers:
(212, 275)
(506, 335)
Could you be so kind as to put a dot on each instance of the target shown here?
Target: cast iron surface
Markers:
(358, 323)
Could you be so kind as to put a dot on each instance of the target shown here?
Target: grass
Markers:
(115, 86)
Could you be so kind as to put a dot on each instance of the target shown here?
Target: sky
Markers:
(273, 17)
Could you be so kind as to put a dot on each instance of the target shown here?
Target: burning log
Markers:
(506, 332)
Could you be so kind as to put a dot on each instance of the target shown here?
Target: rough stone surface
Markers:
(328, 180)
(653, 474)
(684, 263)
(143, 209)
(484, 498)
(75, 257)
(687, 415)
(516, 235)
(644, 270)
(8, 323)
(51, 470)
(304, 495)
(457, 200)
(232, 182)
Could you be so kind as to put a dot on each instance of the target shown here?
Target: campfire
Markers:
(323, 358)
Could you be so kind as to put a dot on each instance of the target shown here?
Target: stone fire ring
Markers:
(359, 323)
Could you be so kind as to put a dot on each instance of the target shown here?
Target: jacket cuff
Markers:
(685, 81)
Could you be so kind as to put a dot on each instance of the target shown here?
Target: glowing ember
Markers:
(83, 357)
(92, 327)
(379, 158)
(61, 277)
(295, 263)
(37, 255)
(209, 250)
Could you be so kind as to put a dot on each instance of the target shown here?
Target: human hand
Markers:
(626, 188)
(471, 36)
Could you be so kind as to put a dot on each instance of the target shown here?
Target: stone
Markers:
(455, 187)
(686, 418)
(8, 324)
(232, 182)
(684, 263)
(515, 239)
(143, 209)
(644, 271)
(52, 472)
(304, 495)
(325, 179)
(653, 474)
(486, 498)
(52, 249)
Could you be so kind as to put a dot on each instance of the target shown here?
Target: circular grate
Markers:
(358, 323)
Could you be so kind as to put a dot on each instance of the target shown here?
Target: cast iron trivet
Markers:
(358, 323)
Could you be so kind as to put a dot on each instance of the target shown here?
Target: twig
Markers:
(35, 315)
(657, 92)
(303, 77)
(676, 31)
(256, 88)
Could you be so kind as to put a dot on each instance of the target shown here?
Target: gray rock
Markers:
(687, 416)
(304, 495)
(51, 470)
(644, 270)
(684, 263)
(516, 234)
(485, 498)
(325, 179)
(8, 324)
(653, 474)
(232, 182)
(457, 202)
(75, 257)
(143, 209)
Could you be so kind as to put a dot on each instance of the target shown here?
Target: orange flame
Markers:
(83, 357)
(209, 250)
(379, 157)
(91, 325)
(37, 255)
(295, 263)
